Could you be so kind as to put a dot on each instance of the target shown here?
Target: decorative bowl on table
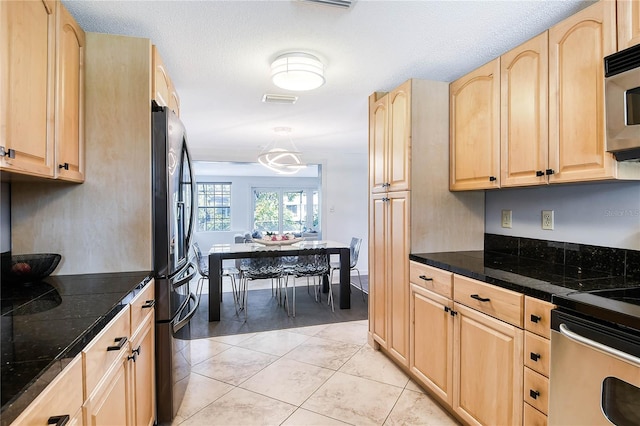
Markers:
(277, 240)
(26, 268)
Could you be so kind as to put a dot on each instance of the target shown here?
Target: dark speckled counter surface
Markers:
(531, 277)
(45, 324)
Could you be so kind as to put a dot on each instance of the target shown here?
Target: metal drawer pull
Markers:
(535, 318)
(424, 277)
(535, 356)
(482, 299)
(149, 304)
(4, 152)
(120, 343)
(58, 420)
(534, 394)
(564, 330)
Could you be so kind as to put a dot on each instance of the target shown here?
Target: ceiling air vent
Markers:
(279, 99)
(345, 4)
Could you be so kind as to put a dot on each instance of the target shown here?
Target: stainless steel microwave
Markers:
(622, 103)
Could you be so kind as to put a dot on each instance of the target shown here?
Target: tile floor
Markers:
(319, 375)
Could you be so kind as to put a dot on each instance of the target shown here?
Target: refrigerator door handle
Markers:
(178, 322)
(185, 276)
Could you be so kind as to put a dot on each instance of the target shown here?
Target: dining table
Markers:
(252, 249)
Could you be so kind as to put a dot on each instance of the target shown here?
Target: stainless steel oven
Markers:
(622, 100)
(595, 360)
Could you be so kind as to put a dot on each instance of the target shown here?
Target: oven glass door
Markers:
(591, 383)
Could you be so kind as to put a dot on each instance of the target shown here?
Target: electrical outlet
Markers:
(506, 218)
(547, 219)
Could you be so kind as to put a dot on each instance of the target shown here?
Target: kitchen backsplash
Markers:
(613, 261)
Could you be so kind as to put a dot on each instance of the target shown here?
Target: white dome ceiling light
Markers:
(297, 71)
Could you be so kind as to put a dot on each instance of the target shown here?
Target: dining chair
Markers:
(260, 268)
(313, 266)
(354, 250)
(203, 269)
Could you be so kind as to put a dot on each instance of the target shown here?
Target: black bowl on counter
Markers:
(26, 268)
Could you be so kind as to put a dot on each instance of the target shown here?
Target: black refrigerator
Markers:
(173, 217)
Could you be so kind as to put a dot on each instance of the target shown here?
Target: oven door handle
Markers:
(564, 330)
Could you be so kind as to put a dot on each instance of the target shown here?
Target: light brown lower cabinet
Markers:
(431, 337)
(487, 369)
(533, 417)
(143, 377)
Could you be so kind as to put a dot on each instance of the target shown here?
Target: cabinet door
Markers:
(474, 153)
(524, 117)
(109, 404)
(431, 331)
(378, 134)
(628, 23)
(27, 46)
(378, 269)
(399, 138)
(397, 261)
(143, 373)
(577, 47)
(488, 370)
(69, 114)
(161, 81)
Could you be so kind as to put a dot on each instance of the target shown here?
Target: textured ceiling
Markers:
(218, 55)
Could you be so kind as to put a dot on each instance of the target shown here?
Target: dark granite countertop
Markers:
(531, 277)
(45, 324)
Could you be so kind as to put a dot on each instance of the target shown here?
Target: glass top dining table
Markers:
(220, 252)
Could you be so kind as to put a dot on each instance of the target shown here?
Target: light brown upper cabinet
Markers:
(628, 23)
(524, 113)
(577, 47)
(27, 48)
(163, 91)
(390, 140)
(42, 91)
(474, 156)
(69, 112)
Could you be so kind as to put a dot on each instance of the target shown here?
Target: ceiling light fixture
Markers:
(297, 71)
(281, 155)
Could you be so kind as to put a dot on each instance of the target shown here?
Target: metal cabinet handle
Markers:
(534, 394)
(148, 304)
(424, 277)
(549, 171)
(64, 166)
(59, 420)
(121, 341)
(535, 318)
(4, 152)
(481, 299)
(539, 173)
(564, 330)
(492, 178)
(534, 356)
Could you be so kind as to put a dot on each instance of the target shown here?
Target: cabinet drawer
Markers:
(537, 316)
(142, 305)
(63, 396)
(434, 279)
(103, 352)
(533, 417)
(536, 353)
(500, 303)
(536, 390)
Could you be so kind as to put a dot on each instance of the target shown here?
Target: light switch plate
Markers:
(506, 218)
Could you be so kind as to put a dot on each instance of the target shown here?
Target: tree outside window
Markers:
(282, 211)
(214, 206)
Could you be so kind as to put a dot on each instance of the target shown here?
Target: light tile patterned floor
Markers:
(320, 375)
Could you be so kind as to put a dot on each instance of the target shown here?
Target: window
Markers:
(285, 210)
(214, 206)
